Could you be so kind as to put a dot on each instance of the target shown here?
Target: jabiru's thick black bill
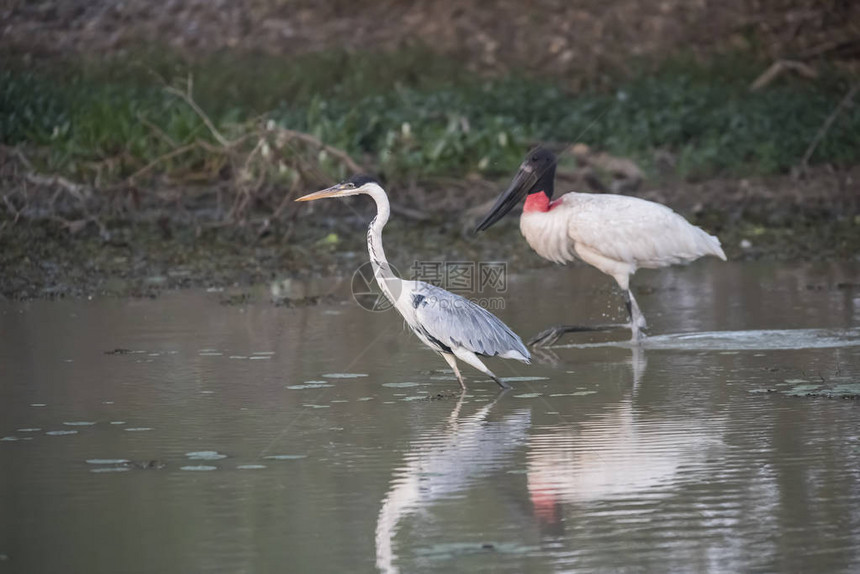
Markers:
(520, 186)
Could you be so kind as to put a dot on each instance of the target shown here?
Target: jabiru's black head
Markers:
(536, 175)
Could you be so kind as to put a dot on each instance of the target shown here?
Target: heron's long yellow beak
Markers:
(333, 191)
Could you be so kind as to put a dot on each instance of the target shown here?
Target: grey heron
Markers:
(617, 234)
(451, 325)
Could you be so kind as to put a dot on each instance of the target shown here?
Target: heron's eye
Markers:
(534, 158)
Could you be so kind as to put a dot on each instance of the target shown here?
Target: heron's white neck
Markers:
(381, 270)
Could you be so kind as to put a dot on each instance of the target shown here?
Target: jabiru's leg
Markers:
(618, 270)
(472, 359)
(637, 320)
(452, 362)
(549, 336)
(621, 274)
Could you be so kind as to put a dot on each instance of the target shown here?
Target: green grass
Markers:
(417, 115)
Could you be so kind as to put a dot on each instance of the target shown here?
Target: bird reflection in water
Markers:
(437, 467)
(625, 453)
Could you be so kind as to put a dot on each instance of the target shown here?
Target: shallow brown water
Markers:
(690, 454)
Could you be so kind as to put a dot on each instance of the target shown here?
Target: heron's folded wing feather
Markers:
(458, 322)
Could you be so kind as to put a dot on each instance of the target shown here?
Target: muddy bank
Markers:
(143, 252)
(141, 259)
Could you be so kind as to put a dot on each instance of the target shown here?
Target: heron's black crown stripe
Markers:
(361, 179)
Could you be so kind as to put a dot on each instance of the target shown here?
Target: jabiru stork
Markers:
(617, 234)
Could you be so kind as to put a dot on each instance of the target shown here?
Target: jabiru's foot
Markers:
(637, 319)
(550, 336)
(636, 334)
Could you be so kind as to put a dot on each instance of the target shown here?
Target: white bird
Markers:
(438, 467)
(616, 234)
(622, 454)
(451, 325)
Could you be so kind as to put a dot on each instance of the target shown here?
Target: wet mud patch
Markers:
(837, 388)
(444, 395)
(848, 390)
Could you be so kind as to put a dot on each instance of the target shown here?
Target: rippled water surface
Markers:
(185, 435)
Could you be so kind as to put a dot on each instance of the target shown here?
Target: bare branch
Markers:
(825, 127)
(76, 189)
(11, 208)
(336, 152)
(188, 98)
(157, 130)
(779, 68)
(171, 154)
(23, 158)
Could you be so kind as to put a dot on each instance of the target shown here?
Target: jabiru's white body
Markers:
(616, 234)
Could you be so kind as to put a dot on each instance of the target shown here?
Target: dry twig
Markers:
(156, 130)
(171, 154)
(75, 189)
(825, 127)
(11, 208)
(336, 152)
(188, 97)
(779, 68)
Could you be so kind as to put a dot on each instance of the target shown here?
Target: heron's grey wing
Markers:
(457, 322)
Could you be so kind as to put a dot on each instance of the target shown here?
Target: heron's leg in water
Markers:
(452, 361)
(472, 359)
(549, 336)
(637, 320)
